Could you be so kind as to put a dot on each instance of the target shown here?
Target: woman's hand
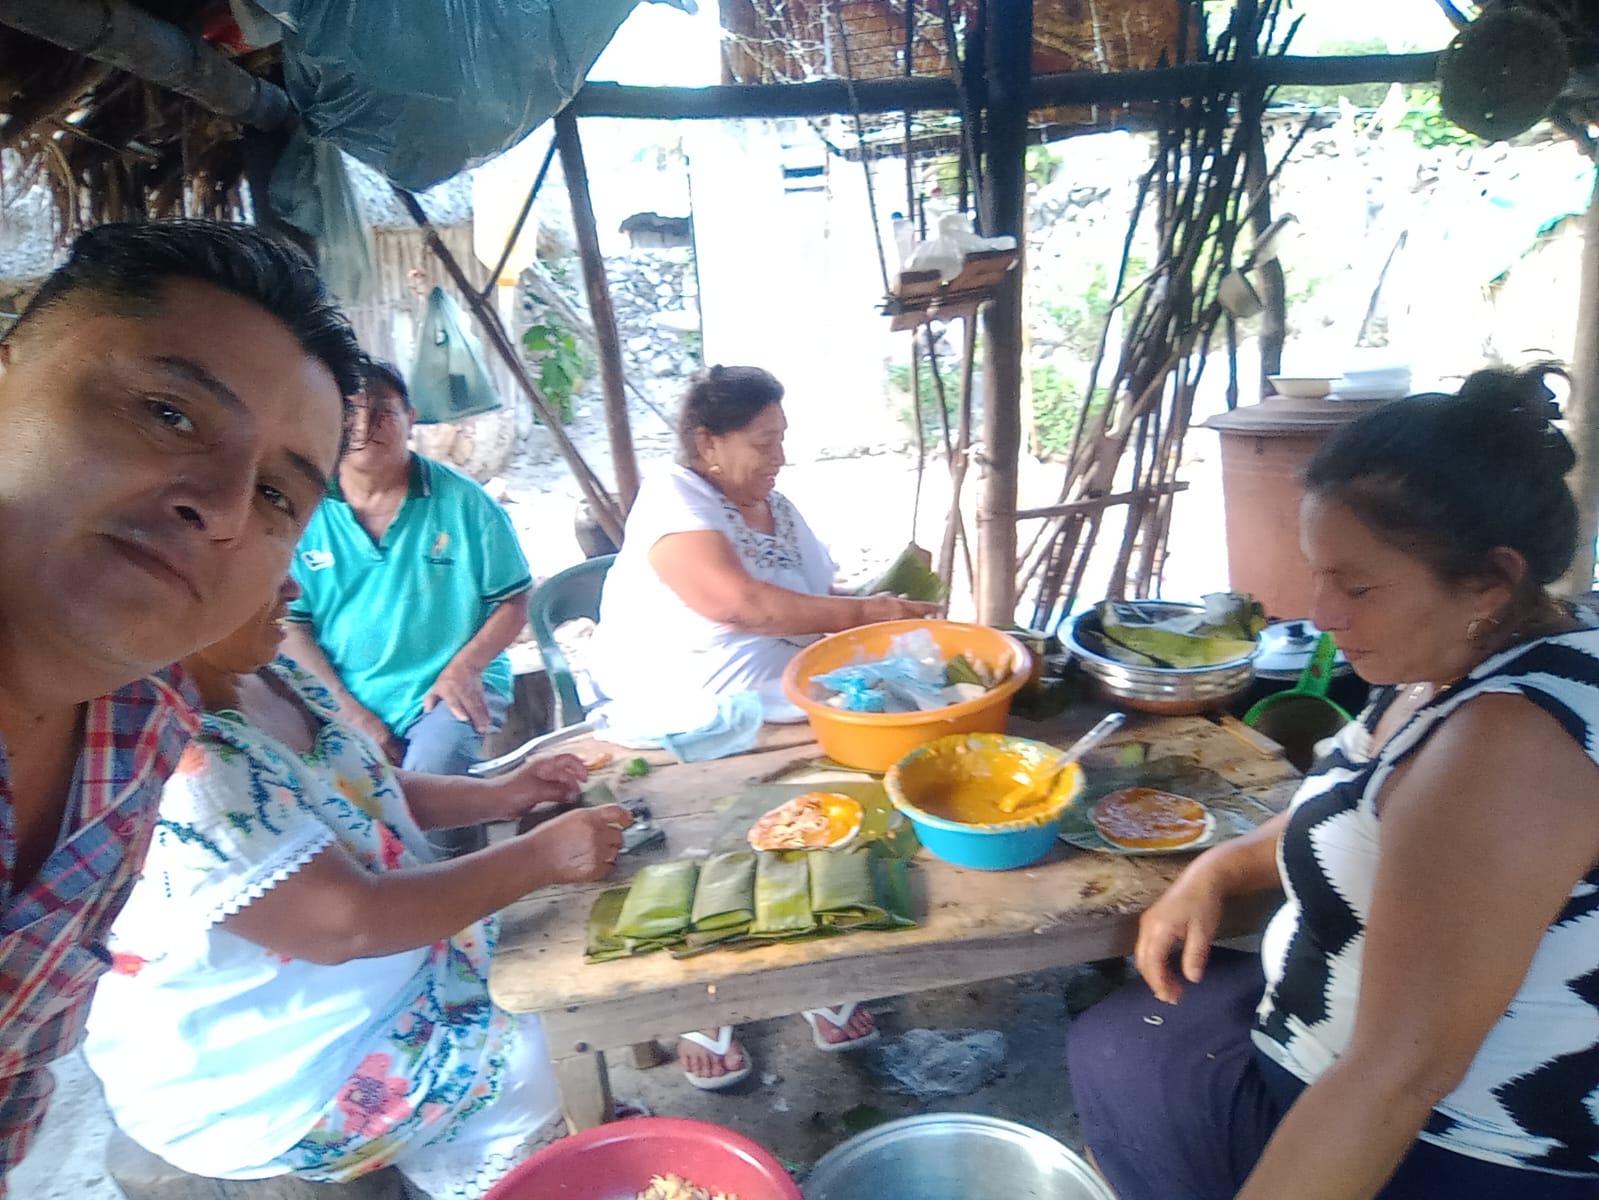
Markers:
(579, 846)
(1188, 915)
(555, 780)
(887, 607)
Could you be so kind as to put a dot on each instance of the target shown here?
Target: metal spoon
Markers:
(1040, 786)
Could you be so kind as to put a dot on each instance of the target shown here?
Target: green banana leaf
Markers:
(725, 895)
(910, 577)
(891, 885)
(782, 895)
(604, 944)
(1225, 631)
(841, 886)
(660, 901)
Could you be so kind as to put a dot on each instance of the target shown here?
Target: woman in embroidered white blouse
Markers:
(720, 581)
(718, 585)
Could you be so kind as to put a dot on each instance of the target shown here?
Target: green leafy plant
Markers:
(899, 382)
(1426, 122)
(561, 362)
(1057, 403)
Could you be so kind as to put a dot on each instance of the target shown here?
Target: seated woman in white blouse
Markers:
(719, 583)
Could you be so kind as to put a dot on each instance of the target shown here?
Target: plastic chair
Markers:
(568, 596)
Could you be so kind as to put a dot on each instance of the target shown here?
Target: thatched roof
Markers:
(109, 146)
(773, 41)
(33, 239)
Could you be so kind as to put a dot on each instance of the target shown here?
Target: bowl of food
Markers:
(819, 820)
(1131, 672)
(650, 1158)
(984, 800)
(939, 1155)
(875, 741)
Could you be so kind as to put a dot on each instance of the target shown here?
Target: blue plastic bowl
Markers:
(999, 846)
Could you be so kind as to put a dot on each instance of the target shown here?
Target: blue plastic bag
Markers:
(911, 677)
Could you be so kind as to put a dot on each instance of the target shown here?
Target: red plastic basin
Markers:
(615, 1162)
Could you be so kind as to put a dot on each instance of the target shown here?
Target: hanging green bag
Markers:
(448, 379)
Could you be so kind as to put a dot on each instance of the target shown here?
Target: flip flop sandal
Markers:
(838, 1018)
(719, 1046)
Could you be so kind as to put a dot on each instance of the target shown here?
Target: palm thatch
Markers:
(110, 146)
(775, 41)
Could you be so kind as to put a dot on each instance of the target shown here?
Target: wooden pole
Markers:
(605, 510)
(123, 36)
(922, 93)
(600, 308)
(1010, 50)
(1582, 411)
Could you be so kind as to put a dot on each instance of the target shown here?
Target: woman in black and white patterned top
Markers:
(1423, 1019)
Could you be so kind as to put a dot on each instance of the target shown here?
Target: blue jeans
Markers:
(439, 743)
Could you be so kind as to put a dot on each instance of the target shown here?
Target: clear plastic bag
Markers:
(911, 677)
(448, 379)
(940, 1062)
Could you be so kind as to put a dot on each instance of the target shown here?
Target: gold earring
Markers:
(1479, 628)
(716, 468)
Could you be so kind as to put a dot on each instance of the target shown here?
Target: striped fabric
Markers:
(1531, 1096)
(52, 932)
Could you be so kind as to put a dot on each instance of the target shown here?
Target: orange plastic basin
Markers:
(876, 741)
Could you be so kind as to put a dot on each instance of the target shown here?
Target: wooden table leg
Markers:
(585, 1090)
(641, 1056)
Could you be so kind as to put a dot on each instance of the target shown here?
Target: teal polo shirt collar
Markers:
(418, 485)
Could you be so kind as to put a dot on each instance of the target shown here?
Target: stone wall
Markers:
(656, 296)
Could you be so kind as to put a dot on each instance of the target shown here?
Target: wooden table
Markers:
(1072, 907)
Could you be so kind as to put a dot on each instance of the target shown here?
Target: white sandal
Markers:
(838, 1018)
(719, 1046)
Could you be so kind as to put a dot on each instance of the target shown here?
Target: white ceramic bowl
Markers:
(1303, 387)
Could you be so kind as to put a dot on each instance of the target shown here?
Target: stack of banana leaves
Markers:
(1224, 630)
(737, 897)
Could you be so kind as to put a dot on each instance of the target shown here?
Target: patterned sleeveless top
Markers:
(1531, 1096)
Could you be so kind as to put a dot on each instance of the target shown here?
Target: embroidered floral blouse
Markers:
(226, 1055)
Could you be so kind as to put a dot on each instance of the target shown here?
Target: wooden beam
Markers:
(1004, 210)
(601, 310)
(118, 34)
(939, 93)
(1074, 508)
(1582, 410)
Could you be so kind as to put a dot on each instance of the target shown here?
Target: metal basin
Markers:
(953, 1156)
(1172, 691)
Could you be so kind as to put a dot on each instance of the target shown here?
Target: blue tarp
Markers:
(423, 89)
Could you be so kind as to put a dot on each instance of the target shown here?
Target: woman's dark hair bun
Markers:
(1451, 478)
(1524, 396)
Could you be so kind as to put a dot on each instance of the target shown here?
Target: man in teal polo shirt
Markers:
(414, 585)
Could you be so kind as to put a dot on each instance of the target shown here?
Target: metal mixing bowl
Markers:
(1172, 691)
(953, 1156)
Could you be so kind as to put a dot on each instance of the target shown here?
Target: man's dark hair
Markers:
(129, 263)
(374, 371)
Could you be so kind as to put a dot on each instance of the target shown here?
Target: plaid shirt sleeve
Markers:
(23, 1099)
(52, 936)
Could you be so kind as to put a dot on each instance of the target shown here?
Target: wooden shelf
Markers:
(922, 296)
